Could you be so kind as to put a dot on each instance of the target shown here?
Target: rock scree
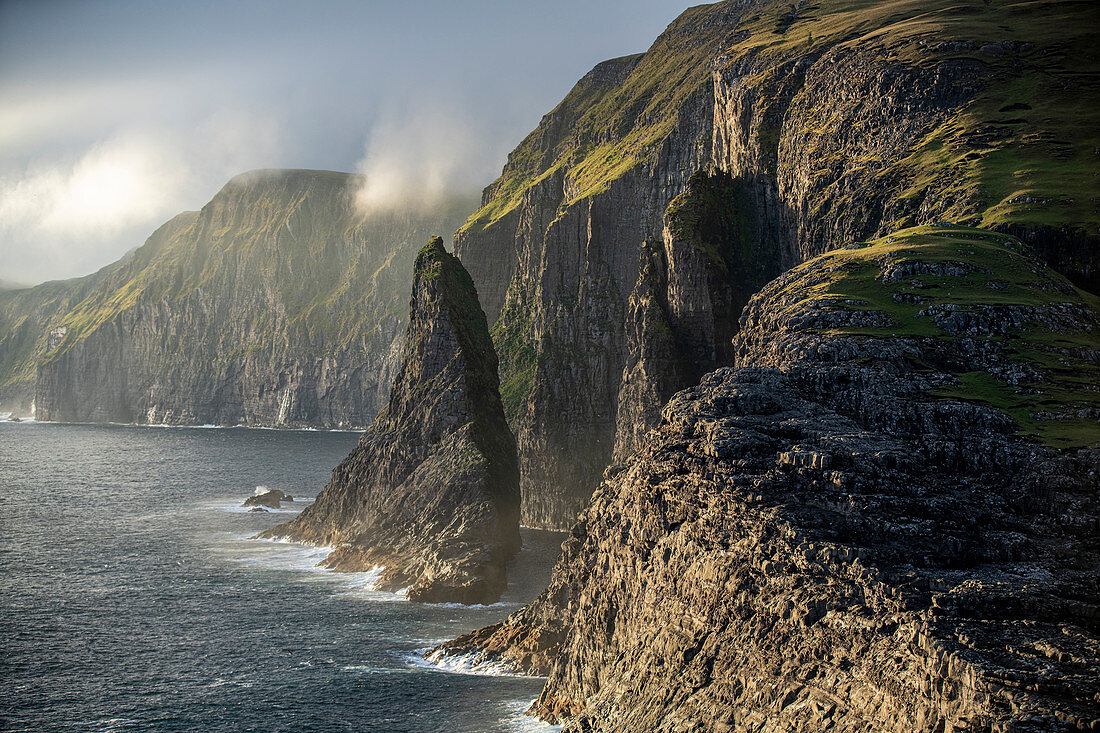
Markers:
(431, 492)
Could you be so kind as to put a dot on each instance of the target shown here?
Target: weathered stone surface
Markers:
(272, 499)
(278, 304)
(838, 124)
(683, 312)
(431, 493)
(827, 538)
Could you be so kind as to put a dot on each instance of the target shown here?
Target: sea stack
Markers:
(431, 492)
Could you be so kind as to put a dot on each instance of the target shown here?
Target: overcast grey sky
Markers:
(114, 116)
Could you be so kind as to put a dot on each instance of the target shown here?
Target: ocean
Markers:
(132, 599)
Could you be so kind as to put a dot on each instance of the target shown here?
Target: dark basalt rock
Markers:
(431, 493)
(271, 499)
(834, 535)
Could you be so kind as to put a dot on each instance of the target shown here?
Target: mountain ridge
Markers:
(275, 304)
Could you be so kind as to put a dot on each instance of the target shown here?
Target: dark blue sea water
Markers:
(132, 600)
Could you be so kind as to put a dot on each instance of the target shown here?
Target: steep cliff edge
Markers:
(279, 303)
(837, 122)
(884, 518)
(431, 493)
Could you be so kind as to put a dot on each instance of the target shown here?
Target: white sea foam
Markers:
(282, 554)
(221, 682)
(521, 723)
(374, 669)
(471, 664)
(276, 554)
(498, 604)
(111, 725)
(205, 426)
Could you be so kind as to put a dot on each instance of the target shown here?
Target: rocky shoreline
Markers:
(431, 493)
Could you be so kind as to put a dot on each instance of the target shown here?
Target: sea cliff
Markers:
(431, 493)
(280, 303)
(823, 124)
(882, 518)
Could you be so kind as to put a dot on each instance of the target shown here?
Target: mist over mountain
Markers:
(281, 302)
(785, 329)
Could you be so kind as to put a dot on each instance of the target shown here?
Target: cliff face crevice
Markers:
(839, 124)
(716, 251)
(278, 304)
(883, 518)
(431, 493)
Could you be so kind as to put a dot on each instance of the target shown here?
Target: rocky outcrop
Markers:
(279, 303)
(835, 124)
(431, 493)
(884, 518)
(272, 499)
(715, 253)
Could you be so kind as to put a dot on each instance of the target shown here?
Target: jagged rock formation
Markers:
(691, 288)
(835, 122)
(272, 499)
(279, 303)
(431, 493)
(885, 518)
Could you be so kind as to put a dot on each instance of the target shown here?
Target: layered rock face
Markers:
(835, 123)
(279, 304)
(885, 518)
(26, 315)
(431, 493)
(713, 255)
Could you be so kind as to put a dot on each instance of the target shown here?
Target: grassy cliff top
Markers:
(915, 273)
(1025, 148)
(615, 117)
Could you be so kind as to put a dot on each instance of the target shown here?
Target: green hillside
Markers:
(1054, 331)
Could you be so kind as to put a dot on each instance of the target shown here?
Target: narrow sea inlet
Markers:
(133, 600)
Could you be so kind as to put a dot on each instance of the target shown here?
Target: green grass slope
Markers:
(1023, 152)
(984, 270)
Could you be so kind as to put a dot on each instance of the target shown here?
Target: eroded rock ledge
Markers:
(884, 519)
(431, 493)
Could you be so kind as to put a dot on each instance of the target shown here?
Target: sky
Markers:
(115, 116)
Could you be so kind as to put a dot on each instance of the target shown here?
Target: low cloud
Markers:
(116, 184)
(421, 152)
(65, 217)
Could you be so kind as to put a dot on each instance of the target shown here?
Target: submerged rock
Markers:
(885, 518)
(431, 493)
